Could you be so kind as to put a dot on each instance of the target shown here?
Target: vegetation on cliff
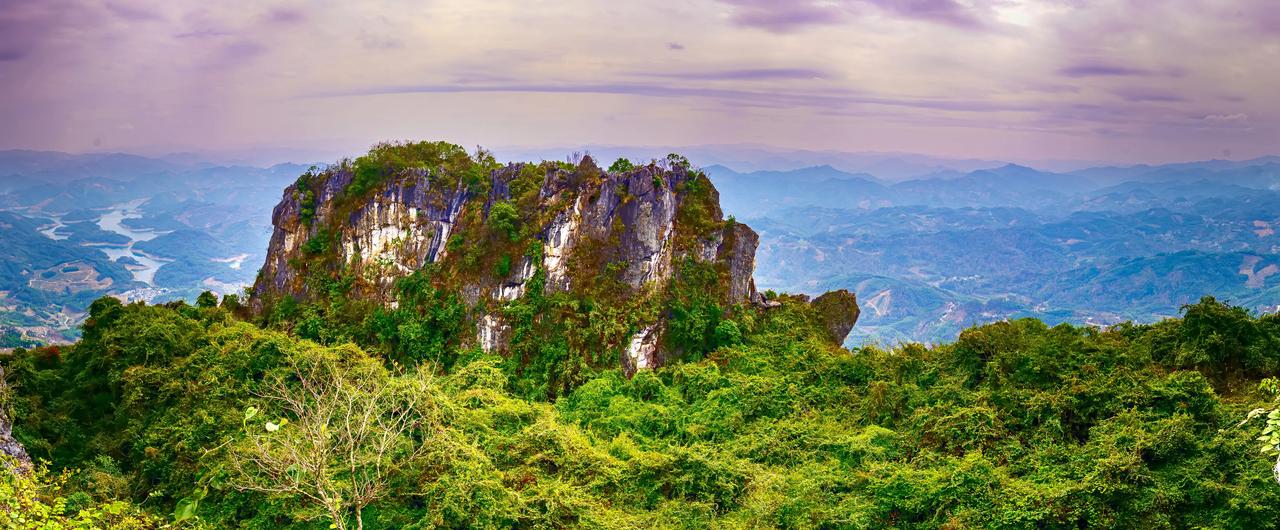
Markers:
(491, 274)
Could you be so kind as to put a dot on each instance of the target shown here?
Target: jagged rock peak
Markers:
(491, 233)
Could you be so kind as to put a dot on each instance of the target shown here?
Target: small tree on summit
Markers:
(621, 165)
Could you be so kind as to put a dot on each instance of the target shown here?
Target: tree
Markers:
(621, 165)
(346, 430)
(206, 300)
(506, 219)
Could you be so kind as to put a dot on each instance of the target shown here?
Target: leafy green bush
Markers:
(1018, 424)
(505, 218)
(621, 165)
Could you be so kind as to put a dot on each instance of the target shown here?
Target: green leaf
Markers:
(186, 509)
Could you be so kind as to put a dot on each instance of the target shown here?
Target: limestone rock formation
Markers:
(491, 232)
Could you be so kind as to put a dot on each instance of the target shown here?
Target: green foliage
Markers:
(1270, 436)
(505, 218)
(318, 244)
(40, 499)
(675, 161)
(206, 300)
(426, 325)
(386, 160)
(695, 312)
(1220, 340)
(1016, 425)
(503, 267)
(621, 165)
(231, 302)
(306, 196)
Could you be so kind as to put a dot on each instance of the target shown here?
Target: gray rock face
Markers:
(398, 230)
(9, 447)
(629, 220)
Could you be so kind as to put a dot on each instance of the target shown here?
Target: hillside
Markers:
(160, 412)
(359, 388)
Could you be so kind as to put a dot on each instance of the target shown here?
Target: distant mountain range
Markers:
(931, 245)
(932, 255)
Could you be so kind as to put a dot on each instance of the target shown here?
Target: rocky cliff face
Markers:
(12, 452)
(620, 252)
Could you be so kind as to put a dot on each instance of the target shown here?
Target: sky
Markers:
(1116, 80)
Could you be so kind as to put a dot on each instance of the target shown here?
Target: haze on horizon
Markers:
(1117, 80)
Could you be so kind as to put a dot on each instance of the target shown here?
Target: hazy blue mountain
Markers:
(54, 167)
(933, 255)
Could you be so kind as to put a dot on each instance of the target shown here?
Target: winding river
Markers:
(112, 221)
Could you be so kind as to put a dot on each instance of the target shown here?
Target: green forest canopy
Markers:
(1015, 425)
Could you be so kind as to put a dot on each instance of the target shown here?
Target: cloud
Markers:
(373, 41)
(948, 12)
(285, 16)
(131, 12)
(675, 46)
(783, 16)
(204, 34)
(735, 97)
(749, 74)
(239, 53)
(1143, 95)
(1092, 69)
(1238, 117)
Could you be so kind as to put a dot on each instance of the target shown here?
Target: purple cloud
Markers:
(675, 46)
(836, 100)
(946, 12)
(749, 74)
(285, 16)
(204, 34)
(1092, 69)
(783, 16)
(1142, 95)
(131, 13)
(238, 53)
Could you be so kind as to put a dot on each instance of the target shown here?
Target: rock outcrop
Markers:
(838, 311)
(11, 451)
(613, 242)
(629, 230)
